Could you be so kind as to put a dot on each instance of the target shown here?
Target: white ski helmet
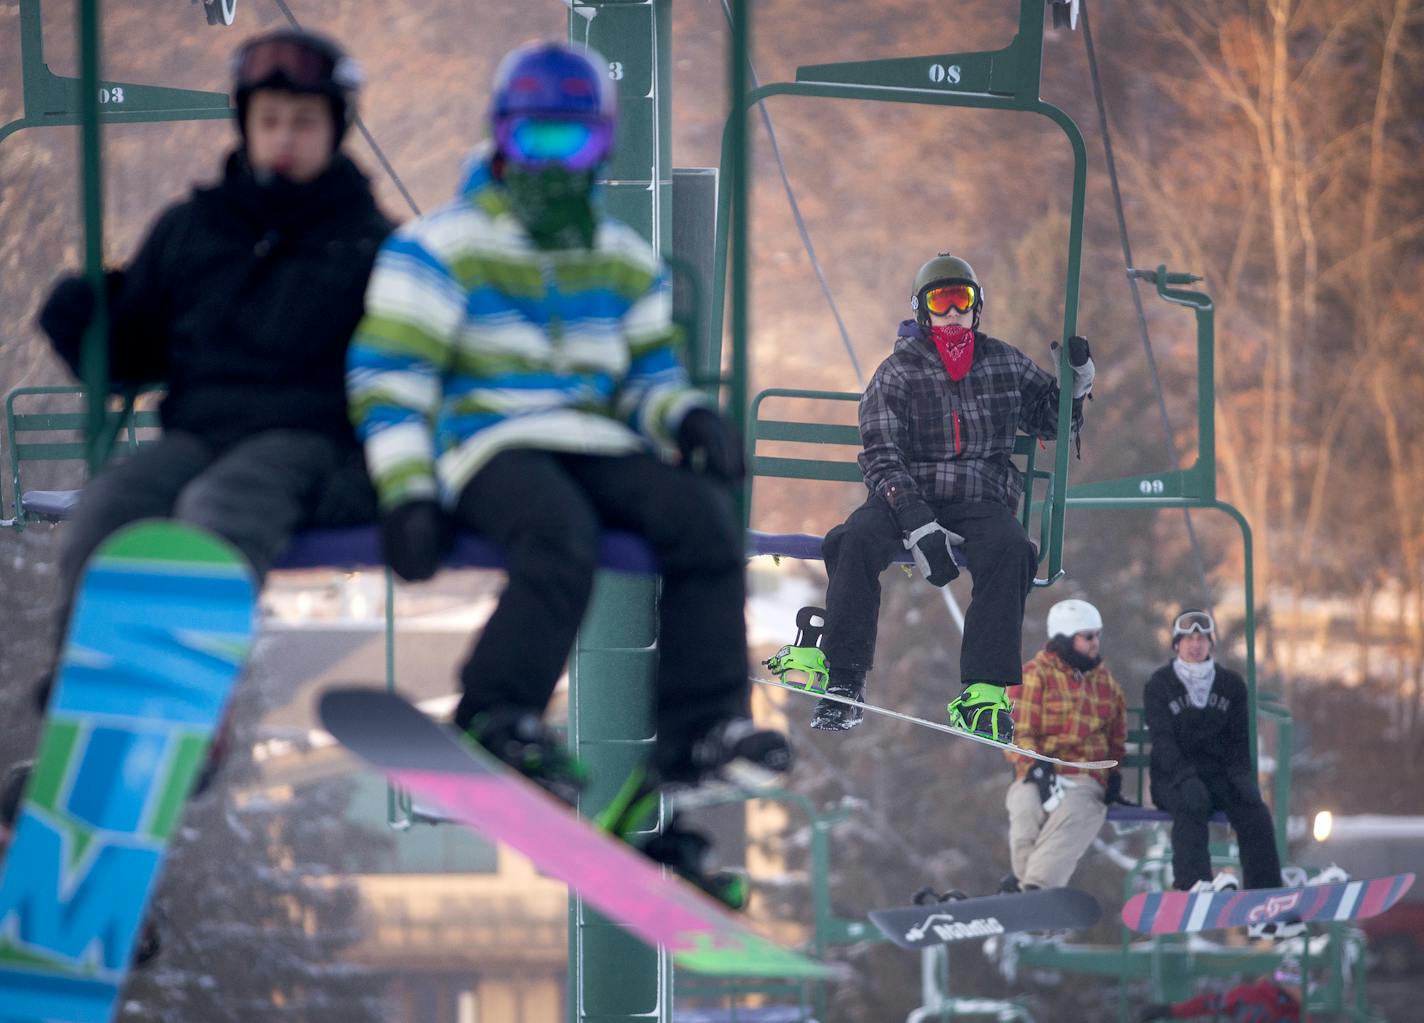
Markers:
(1070, 617)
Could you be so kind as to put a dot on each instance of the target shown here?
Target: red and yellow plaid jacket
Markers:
(1068, 715)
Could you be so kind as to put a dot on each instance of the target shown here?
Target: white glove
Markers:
(1083, 378)
(923, 544)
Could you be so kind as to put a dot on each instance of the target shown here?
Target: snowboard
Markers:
(162, 623)
(1083, 765)
(1048, 909)
(1185, 912)
(473, 788)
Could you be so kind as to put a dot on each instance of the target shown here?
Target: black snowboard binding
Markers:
(520, 739)
(635, 809)
(734, 752)
(927, 896)
(686, 852)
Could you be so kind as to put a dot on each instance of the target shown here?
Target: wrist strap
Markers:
(929, 527)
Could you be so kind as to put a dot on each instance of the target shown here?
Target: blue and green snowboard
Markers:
(162, 624)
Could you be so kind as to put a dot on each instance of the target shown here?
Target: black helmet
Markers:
(944, 269)
(296, 60)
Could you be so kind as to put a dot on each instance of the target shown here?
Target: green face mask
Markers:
(553, 204)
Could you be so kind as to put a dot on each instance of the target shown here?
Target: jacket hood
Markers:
(339, 191)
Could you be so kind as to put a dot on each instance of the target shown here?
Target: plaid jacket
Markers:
(1067, 714)
(924, 434)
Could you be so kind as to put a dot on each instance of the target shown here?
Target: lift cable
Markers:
(361, 127)
(800, 221)
(1198, 558)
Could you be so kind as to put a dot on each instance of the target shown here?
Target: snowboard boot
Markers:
(520, 739)
(1276, 930)
(218, 749)
(983, 708)
(834, 716)
(927, 896)
(634, 810)
(148, 945)
(1009, 885)
(1223, 882)
(802, 664)
(685, 851)
(733, 752)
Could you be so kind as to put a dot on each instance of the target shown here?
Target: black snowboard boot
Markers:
(834, 716)
(520, 739)
(634, 811)
(218, 748)
(734, 752)
(686, 852)
(927, 896)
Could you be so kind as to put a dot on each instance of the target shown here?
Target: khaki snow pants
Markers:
(1044, 848)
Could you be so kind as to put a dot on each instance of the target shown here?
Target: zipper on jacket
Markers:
(958, 445)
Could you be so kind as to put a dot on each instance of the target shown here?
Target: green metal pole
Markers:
(612, 975)
(94, 354)
(740, 186)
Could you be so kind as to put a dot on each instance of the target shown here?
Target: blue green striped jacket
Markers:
(474, 341)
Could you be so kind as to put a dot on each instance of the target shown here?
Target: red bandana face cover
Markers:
(956, 349)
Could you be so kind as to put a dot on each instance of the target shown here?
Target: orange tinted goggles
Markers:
(962, 297)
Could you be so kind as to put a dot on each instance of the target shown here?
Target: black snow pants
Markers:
(1001, 561)
(1239, 797)
(254, 494)
(548, 510)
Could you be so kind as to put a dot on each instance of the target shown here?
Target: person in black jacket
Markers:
(1196, 714)
(240, 304)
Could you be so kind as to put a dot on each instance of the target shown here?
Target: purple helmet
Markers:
(553, 106)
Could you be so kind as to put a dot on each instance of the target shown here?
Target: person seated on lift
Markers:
(938, 423)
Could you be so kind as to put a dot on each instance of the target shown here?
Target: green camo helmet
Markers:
(944, 269)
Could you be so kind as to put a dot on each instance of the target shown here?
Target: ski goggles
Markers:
(961, 297)
(295, 63)
(539, 142)
(1193, 621)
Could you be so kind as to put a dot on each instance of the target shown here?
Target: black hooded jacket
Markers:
(1192, 741)
(242, 300)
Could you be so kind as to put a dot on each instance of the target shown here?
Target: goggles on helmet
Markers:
(961, 297)
(294, 63)
(1193, 621)
(539, 141)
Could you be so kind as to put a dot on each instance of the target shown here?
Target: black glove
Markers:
(928, 542)
(1045, 776)
(1193, 798)
(1078, 351)
(66, 315)
(414, 537)
(1113, 793)
(1158, 1010)
(709, 445)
